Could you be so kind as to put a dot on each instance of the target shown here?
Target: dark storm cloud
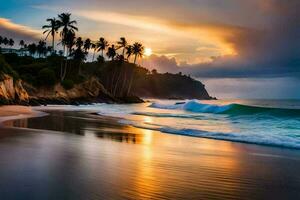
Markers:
(270, 50)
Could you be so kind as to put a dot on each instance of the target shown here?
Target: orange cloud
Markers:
(17, 31)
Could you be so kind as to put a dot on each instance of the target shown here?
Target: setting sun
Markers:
(148, 52)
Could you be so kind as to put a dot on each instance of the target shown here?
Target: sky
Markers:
(239, 49)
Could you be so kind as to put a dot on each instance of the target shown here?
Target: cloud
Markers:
(18, 32)
(269, 50)
(162, 30)
(204, 38)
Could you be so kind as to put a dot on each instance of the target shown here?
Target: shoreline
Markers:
(132, 162)
(14, 112)
(9, 113)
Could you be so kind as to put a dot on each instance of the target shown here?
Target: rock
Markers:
(131, 99)
(12, 91)
(90, 91)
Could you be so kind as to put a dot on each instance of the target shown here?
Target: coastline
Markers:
(13, 112)
(132, 162)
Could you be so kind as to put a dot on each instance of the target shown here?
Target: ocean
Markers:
(262, 122)
(71, 153)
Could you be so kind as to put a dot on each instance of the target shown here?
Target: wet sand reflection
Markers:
(100, 158)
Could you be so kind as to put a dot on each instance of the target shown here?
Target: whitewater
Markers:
(262, 122)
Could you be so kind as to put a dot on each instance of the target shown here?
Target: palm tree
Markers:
(122, 44)
(79, 42)
(87, 45)
(94, 46)
(67, 26)
(129, 51)
(102, 44)
(22, 43)
(32, 49)
(49, 50)
(79, 53)
(25, 49)
(11, 43)
(5, 41)
(137, 50)
(52, 29)
(70, 41)
(41, 48)
(111, 52)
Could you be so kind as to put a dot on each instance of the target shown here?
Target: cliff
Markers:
(12, 92)
(37, 81)
(90, 91)
(169, 86)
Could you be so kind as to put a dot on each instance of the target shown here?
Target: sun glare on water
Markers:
(148, 52)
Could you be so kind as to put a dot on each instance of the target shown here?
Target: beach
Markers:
(79, 155)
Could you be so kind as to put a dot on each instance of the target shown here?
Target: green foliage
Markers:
(67, 84)
(119, 77)
(46, 77)
(29, 78)
(6, 69)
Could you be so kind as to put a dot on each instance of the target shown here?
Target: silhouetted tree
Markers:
(94, 47)
(51, 29)
(111, 52)
(32, 48)
(137, 50)
(122, 43)
(5, 41)
(79, 42)
(11, 43)
(41, 48)
(87, 45)
(102, 44)
(129, 51)
(67, 25)
(21, 44)
(70, 41)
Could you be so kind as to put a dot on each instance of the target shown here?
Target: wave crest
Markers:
(232, 109)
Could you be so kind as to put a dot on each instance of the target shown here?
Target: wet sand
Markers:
(75, 155)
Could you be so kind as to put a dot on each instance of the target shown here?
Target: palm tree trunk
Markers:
(117, 83)
(135, 58)
(130, 83)
(53, 43)
(65, 71)
(124, 83)
(112, 82)
(61, 71)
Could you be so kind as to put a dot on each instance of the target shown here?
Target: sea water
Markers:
(263, 122)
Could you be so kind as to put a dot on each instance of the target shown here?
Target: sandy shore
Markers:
(17, 112)
(72, 155)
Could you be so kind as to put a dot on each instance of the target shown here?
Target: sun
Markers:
(148, 52)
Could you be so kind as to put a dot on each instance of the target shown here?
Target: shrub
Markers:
(29, 78)
(6, 69)
(67, 84)
(46, 77)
